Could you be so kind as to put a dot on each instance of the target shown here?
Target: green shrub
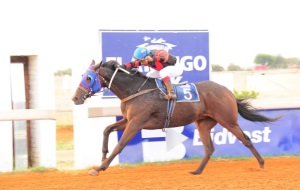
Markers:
(233, 67)
(65, 145)
(244, 94)
(63, 72)
(216, 68)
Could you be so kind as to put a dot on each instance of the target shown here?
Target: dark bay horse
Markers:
(143, 107)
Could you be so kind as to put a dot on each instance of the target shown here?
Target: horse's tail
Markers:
(247, 111)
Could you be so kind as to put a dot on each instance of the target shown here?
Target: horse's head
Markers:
(103, 75)
(89, 85)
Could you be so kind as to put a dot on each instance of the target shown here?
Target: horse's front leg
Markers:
(118, 126)
(130, 131)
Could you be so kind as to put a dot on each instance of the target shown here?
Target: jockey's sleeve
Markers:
(132, 64)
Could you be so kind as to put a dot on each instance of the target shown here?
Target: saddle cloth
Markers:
(185, 93)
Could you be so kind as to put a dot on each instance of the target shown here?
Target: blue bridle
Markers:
(90, 83)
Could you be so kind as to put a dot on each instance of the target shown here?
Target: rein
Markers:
(138, 94)
(133, 95)
(112, 78)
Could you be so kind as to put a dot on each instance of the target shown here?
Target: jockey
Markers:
(163, 66)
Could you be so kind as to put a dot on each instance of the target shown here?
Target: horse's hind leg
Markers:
(237, 131)
(204, 127)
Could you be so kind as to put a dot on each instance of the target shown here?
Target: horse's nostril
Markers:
(75, 99)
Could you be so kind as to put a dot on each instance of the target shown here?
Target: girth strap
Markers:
(170, 110)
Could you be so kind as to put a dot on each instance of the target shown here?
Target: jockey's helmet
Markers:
(140, 53)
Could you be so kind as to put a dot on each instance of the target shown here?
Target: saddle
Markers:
(186, 92)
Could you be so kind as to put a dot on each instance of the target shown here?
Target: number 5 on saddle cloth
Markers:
(185, 92)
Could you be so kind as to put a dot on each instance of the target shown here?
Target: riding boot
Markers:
(171, 94)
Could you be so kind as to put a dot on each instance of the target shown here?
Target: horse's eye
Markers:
(88, 79)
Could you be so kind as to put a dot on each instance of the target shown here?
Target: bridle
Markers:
(88, 94)
(138, 92)
(90, 90)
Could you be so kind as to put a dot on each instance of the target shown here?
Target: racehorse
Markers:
(143, 107)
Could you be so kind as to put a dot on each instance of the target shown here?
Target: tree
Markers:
(264, 59)
(275, 62)
(216, 67)
(279, 62)
(292, 61)
(233, 67)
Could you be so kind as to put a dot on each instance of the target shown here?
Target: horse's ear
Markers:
(97, 66)
(93, 63)
(100, 63)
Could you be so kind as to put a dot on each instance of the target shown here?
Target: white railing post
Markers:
(6, 145)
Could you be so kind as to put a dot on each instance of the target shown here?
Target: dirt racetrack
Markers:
(280, 173)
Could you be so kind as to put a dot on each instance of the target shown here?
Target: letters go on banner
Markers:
(190, 48)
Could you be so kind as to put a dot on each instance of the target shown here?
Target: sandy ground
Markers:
(279, 173)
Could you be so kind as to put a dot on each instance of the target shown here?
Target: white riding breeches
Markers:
(171, 71)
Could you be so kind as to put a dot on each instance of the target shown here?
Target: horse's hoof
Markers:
(93, 172)
(195, 173)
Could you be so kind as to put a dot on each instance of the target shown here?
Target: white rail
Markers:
(27, 114)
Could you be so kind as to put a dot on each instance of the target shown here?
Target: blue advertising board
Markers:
(279, 138)
(190, 48)
(192, 51)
